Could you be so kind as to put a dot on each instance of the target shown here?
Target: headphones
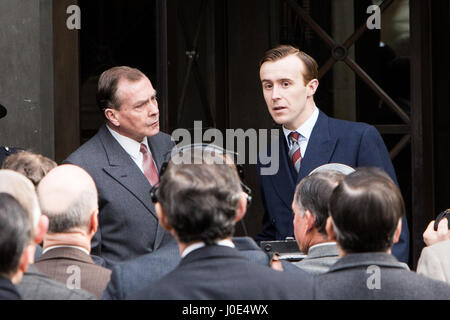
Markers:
(240, 169)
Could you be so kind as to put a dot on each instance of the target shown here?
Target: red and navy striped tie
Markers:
(294, 153)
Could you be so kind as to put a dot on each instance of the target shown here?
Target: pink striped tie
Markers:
(150, 171)
(294, 153)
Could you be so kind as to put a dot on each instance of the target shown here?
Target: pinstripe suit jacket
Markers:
(58, 264)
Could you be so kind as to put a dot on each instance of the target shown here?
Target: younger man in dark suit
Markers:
(365, 218)
(308, 140)
(15, 234)
(200, 199)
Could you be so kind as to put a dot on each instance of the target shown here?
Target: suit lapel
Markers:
(283, 182)
(159, 153)
(125, 171)
(320, 147)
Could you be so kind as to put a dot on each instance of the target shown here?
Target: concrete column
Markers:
(26, 77)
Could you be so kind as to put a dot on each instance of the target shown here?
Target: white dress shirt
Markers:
(201, 244)
(305, 132)
(74, 247)
(132, 147)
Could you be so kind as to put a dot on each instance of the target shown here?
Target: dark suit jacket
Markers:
(332, 140)
(37, 286)
(8, 291)
(218, 273)
(56, 263)
(132, 276)
(128, 225)
(350, 276)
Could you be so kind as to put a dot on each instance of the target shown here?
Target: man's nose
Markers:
(153, 108)
(275, 93)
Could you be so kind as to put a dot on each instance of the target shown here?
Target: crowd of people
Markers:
(124, 217)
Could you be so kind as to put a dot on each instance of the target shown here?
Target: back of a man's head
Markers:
(15, 234)
(24, 192)
(313, 193)
(68, 197)
(366, 209)
(31, 165)
(200, 196)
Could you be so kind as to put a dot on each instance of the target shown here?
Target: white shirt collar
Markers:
(305, 129)
(331, 243)
(132, 147)
(74, 247)
(201, 244)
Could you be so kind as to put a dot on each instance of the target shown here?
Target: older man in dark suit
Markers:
(68, 197)
(365, 218)
(310, 207)
(309, 139)
(124, 159)
(199, 200)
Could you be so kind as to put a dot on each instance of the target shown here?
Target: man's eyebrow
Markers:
(140, 103)
(284, 79)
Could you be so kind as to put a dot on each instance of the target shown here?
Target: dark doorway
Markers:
(113, 33)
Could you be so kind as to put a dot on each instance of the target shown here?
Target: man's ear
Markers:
(312, 87)
(41, 229)
(162, 217)
(310, 220)
(26, 259)
(94, 222)
(330, 230)
(111, 115)
(398, 231)
(242, 207)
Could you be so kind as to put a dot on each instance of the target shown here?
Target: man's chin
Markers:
(280, 121)
(153, 132)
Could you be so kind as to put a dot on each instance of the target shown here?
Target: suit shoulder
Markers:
(37, 286)
(345, 125)
(85, 151)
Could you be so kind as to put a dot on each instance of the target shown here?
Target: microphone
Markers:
(3, 111)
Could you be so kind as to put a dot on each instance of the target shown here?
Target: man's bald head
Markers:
(68, 196)
(21, 188)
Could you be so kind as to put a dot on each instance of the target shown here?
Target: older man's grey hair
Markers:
(21, 188)
(313, 193)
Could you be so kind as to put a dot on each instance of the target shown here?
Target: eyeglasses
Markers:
(208, 147)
